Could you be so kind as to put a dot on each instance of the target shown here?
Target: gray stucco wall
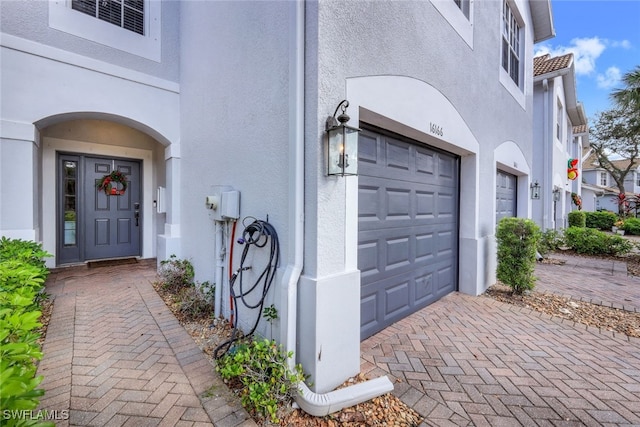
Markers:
(235, 122)
(30, 20)
(412, 39)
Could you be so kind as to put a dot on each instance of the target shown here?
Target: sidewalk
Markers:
(116, 356)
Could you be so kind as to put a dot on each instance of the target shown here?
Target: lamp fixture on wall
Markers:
(556, 194)
(535, 190)
(343, 143)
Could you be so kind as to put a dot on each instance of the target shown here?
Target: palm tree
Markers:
(629, 96)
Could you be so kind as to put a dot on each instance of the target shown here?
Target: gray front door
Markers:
(407, 227)
(93, 225)
(506, 200)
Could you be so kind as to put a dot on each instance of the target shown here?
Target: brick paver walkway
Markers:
(603, 282)
(114, 355)
(475, 361)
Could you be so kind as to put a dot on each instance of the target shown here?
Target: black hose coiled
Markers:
(257, 234)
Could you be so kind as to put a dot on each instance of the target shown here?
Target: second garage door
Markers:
(407, 227)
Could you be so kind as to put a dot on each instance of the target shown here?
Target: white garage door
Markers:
(407, 227)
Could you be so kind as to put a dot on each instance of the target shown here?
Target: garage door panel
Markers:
(398, 251)
(368, 257)
(399, 203)
(398, 156)
(368, 203)
(384, 203)
(383, 254)
(396, 299)
(425, 164)
(407, 228)
(367, 149)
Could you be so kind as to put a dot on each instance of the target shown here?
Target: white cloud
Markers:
(609, 79)
(625, 44)
(585, 52)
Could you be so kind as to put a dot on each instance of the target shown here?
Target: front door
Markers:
(92, 224)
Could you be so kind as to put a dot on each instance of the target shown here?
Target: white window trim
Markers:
(604, 175)
(63, 18)
(456, 18)
(516, 91)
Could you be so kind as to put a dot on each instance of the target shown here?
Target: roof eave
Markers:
(542, 18)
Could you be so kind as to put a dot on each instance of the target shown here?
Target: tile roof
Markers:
(580, 129)
(546, 64)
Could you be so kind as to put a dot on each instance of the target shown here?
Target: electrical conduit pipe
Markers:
(312, 403)
(219, 269)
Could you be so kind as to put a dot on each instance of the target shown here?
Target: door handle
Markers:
(136, 213)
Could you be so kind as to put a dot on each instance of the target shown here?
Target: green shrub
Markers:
(23, 250)
(176, 274)
(262, 369)
(22, 276)
(550, 241)
(602, 220)
(517, 241)
(577, 219)
(632, 226)
(594, 242)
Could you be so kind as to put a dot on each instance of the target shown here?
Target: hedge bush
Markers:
(632, 226)
(517, 242)
(549, 241)
(594, 242)
(577, 219)
(602, 220)
(22, 276)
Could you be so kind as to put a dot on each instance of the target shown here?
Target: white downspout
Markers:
(312, 403)
(289, 294)
(547, 188)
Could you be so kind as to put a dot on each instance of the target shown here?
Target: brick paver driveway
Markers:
(474, 361)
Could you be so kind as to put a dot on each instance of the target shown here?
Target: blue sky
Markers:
(604, 36)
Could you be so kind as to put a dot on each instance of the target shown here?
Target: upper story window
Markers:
(559, 121)
(511, 43)
(603, 179)
(459, 14)
(464, 6)
(127, 14)
(131, 26)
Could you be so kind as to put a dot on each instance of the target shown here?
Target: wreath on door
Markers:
(109, 182)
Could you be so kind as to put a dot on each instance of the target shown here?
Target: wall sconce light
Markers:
(343, 143)
(556, 194)
(535, 190)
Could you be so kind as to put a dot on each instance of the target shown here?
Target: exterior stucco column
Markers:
(19, 181)
(169, 242)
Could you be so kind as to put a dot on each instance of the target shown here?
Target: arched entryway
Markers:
(80, 222)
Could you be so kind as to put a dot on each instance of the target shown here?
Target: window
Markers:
(462, 23)
(559, 121)
(510, 43)
(464, 6)
(131, 26)
(603, 179)
(127, 14)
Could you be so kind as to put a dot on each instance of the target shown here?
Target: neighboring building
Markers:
(560, 135)
(185, 97)
(607, 190)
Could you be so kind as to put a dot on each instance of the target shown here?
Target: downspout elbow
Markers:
(320, 405)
